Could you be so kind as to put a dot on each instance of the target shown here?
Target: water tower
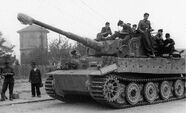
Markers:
(33, 45)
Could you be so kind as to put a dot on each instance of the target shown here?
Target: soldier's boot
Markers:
(11, 97)
(3, 97)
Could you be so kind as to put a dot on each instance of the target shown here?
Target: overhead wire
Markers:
(92, 10)
(86, 24)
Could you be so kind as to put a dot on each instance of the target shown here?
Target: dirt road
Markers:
(56, 106)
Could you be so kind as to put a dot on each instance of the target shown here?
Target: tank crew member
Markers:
(124, 33)
(159, 42)
(129, 24)
(105, 31)
(169, 44)
(75, 54)
(35, 80)
(144, 27)
(8, 75)
(134, 28)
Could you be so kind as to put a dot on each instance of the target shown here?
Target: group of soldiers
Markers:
(153, 45)
(7, 74)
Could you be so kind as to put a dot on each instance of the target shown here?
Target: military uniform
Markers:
(105, 31)
(159, 44)
(8, 74)
(35, 79)
(144, 28)
(124, 33)
(169, 46)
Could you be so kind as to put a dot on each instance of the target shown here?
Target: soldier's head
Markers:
(129, 24)
(146, 16)
(107, 24)
(160, 32)
(120, 23)
(167, 35)
(134, 26)
(33, 64)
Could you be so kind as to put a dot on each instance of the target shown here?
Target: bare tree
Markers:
(59, 50)
(6, 50)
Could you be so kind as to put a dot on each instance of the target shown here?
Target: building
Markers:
(33, 45)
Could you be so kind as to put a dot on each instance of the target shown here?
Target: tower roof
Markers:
(33, 28)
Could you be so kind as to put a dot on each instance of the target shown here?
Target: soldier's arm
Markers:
(150, 28)
(103, 31)
(110, 31)
(139, 26)
(172, 43)
(40, 75)
(12, 72)
(29, 80)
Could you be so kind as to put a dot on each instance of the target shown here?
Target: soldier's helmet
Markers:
(120, 22)
(74, 53)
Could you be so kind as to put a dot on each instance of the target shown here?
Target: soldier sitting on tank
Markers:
(144, 27)
(124, 33)
(134, 28)
(158, 43)
(105, 31)
(169, 45)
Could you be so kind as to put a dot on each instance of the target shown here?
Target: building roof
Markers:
(33, 28)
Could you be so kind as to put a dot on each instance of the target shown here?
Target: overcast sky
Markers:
(86, 17)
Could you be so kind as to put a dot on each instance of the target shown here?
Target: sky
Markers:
(87, 17)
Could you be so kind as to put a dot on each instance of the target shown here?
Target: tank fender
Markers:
(105, 70)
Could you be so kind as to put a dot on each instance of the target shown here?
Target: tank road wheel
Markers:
(133, 93)
(179, 88)
(150, 92)
(165, 90)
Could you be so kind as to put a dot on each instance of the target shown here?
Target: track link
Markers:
(49, 87)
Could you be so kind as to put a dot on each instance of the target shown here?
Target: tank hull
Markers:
(114, 81)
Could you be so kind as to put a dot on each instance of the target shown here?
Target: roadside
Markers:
(23, 89)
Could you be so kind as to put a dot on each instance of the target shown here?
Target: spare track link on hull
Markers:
(119, 99)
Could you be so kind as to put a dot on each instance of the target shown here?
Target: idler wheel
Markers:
(133, 93)
(179, 88)
(150, 92)
(165, 90)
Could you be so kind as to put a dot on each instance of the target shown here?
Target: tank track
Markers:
(49, 88)
(97, 85)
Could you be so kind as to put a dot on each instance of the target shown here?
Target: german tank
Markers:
(116, 74)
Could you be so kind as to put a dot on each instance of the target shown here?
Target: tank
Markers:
(116, 73)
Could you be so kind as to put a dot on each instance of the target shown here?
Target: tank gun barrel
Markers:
(24, 19)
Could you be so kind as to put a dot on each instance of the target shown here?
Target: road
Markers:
(55, 106)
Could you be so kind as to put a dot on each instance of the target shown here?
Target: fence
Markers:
(23, 71)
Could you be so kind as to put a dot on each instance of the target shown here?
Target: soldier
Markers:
(169, 44)
(134, 28)
(129, 24)
(144, 27)
(105, 31)
(35, 80)
(124, 33)
(8, 75)
(159, 42)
